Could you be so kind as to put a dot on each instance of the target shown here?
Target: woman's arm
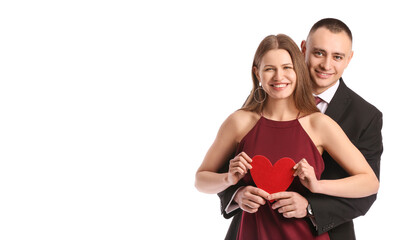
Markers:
(230, 133)
(362, 181)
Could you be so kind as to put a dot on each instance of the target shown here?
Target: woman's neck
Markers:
(280, 110)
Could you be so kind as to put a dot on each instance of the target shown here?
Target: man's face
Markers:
(327, 55)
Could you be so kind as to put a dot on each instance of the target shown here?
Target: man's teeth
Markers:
(324, 74)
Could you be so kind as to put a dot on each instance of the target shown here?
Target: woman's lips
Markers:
(279, 86)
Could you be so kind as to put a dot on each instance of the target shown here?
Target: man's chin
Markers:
(323, 84)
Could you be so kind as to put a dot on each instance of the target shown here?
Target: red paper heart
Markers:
(272, 178)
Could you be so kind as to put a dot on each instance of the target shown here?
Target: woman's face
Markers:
(276, 74)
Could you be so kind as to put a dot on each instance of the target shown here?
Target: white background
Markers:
(108, 107)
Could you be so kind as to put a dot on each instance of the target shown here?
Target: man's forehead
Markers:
(330, 42)
(323, 31)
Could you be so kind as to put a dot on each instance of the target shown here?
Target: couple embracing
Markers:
(299, 107)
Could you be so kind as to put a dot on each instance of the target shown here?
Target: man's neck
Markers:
(328, 93)
(316, 90)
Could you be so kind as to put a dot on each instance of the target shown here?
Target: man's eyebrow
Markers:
(340, 54)
(323, 51)
(319, 50)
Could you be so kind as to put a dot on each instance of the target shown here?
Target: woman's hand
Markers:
(238, 167)
(306, 174)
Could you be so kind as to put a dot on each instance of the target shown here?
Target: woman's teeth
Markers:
(279, 85)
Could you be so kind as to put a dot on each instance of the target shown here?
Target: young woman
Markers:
(278, 120)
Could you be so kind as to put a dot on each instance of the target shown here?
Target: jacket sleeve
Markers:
(226, 197)
(331, 212)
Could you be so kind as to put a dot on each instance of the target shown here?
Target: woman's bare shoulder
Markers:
(241, 122)
(321, 124)
(241, 118)
(315, 122)
(244, 115)
(318, 119)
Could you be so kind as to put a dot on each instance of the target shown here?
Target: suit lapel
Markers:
(339, 103)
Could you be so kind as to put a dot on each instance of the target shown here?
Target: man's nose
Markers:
(326, 64)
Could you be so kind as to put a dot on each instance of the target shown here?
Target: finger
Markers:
(297, 172)
(289, 214)
(250, 193)
(245, 163)
(286, 209)
(251, 204)
(238, 171)
(249, 196)
(235, 160)
(302, 176)
(240, 165)
(305, 166)
(237, 168)
(240, 161)
(303, 169)
(260, 193)
(245, 156)
(278, 195)
(296, 166)
(300, 165)
(248, 209)
(305, 174)
(282, 203)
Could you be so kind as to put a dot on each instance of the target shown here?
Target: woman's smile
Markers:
(279, 86)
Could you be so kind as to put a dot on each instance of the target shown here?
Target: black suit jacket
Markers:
(362, 123)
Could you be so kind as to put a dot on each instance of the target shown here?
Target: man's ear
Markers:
(303, 46)
(349, 58)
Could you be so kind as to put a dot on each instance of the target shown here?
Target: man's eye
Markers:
(338, 57)
(318, 53)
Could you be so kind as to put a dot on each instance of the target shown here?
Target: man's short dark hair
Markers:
(332, 24)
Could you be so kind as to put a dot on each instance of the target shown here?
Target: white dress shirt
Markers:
(326, 97)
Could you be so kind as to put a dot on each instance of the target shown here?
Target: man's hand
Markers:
(290, 204)
(250, 198)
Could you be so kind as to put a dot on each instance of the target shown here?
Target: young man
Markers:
(327, 51)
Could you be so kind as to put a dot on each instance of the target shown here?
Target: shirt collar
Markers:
(328, 94)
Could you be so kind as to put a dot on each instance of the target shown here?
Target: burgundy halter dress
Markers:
(275, 140)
